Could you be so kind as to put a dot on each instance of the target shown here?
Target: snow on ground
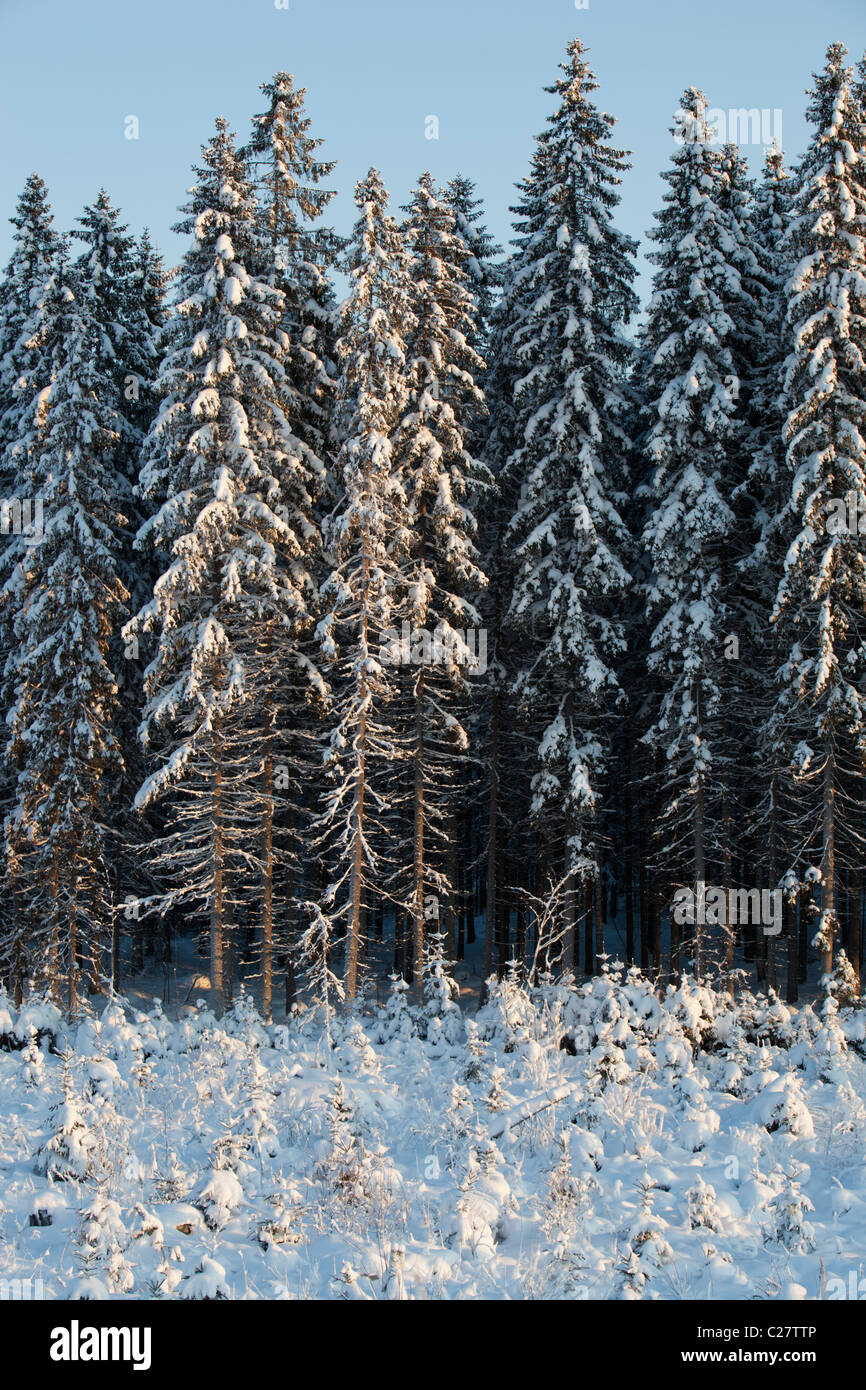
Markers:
(674, 1148)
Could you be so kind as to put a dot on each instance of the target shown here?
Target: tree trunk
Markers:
(418, 867)
(115, 946)
(353, 934)
(700, 868)
(461, 903)
(828, 861)
(268, 866)
(353, 931)
(629, 869)
(727, 881)
(643, 892)
(792, 986)
(228, 955)
(852, 945)
(453, 905)
(773, 876)
(599, 922)
(218, 899)
(572, 899)
(399, 943)
(492, 832)
(803, 952)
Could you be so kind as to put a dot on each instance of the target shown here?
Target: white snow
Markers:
(677, 1147)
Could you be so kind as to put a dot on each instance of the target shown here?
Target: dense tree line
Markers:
(340, 635)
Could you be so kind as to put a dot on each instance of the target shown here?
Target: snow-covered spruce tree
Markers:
(138, 301)
(766, 486)
(575, 274)
(483, 717)
(114, 286)
(368, 539)
(32, 363)
(745, 299)
(233, 530)
(438, 474)
(34, 245)
(693, 433)
(298, 255)
(62, 600)
(23, 364)
(760, 503)
(820, 609)
(70, 1153)
(143, 314)
(104, 272)
(26, 349)
(286, 172)
(103, 1241)
(501, 744)
(484, 274)
(631, 813)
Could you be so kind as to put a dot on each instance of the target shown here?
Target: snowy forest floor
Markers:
(683, 1147)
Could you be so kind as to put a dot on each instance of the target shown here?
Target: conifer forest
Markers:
(433, 740)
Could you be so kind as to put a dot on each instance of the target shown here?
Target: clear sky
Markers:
(374, 71)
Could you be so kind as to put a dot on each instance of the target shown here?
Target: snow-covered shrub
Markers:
(394, 1021)
(37, 1014)
(103, 1239)
(790, 1227)
(646, 1237)
(219, 1198)
(508, 1013)
(33, 1062)
(281, 1223)
(781, 1105)
(70, 1153)
(208, 1281)
(567, 1201)
(440, 1019)
(703, 1210)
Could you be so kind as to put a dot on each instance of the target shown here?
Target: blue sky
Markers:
(374, 71)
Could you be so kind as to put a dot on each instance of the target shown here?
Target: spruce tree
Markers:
(760, 505)
(693, 431)
(365, 591)
(286, 172)
(145, 315)
(24, 372)
(62, 598)
(501, 742)
(742, 298)
(484, 273)
(232, 489)
(482, 717)
(123, 283)
(298, 255)
(820, 609)
(34, 245)
(438, 475)
(574, 279)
